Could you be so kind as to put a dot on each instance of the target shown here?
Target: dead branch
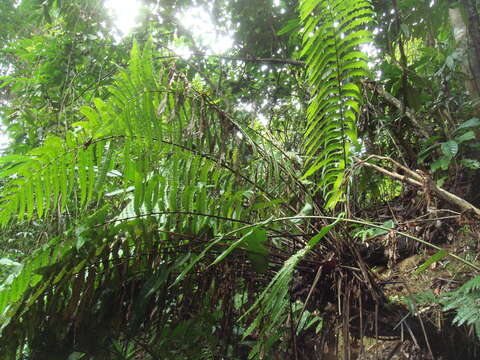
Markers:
(421, 180)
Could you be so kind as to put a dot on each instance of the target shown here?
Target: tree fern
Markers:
(332, 32)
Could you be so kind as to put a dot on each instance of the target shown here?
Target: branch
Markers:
(399, 105)
(262, 60)
(421, 180)
(273, 61)
(363, 222)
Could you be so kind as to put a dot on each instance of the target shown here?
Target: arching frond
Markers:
(140, 156)
(145, 129)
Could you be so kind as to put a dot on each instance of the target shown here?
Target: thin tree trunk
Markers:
(467, 36)
(473, 28)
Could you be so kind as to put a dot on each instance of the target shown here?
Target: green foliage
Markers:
(465, 302)
(274, 300)
(457, 149)
(439, 255)
(47, 179)
(8, 269)
(53, 66)
(128, 134)
(137, 154)
(332, 34)
(366, 233)
(140, 204)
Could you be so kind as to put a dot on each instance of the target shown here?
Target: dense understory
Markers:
(309, 193)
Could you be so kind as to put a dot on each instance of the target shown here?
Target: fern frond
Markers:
(332, 32)
(465, 301)
(132, 132)
(137, 152)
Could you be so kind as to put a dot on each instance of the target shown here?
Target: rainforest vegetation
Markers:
(310, 191)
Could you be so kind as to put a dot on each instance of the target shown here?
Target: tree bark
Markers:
(467, 36)
(473, 28)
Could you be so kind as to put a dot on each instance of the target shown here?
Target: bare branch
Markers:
(263, 60)
(420, 179)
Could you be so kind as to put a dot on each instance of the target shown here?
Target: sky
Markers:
(4, 140)
(124, 13)
(195, 19)
(200, 24)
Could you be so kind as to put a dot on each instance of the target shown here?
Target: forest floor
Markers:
(415, 276)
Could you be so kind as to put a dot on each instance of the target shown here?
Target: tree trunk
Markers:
(467, 36)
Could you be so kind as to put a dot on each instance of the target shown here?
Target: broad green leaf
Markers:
(469, 135)
(315, 239)
(82, 176)
(39, 197)
(256, 250)
(30, 200)
(441, 163)
(255, 236)
(450, 148)
(474, 122)
(470, 163)
(91, 172)
(290, 26)
(138, 193)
